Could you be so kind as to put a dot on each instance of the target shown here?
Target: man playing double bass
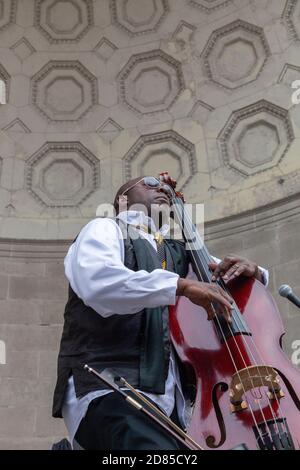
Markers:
(117, 317)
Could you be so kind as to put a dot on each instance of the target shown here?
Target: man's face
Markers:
(152, 199)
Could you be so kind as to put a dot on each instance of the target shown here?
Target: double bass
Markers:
(246, 388)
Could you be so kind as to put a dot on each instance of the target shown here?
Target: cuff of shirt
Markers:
(265, 275)
(172, 290)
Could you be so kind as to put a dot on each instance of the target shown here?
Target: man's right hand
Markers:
(203, 294)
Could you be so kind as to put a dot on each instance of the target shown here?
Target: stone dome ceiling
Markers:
(100, 91)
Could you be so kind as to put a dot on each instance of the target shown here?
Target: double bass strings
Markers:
(220, 327)
(207, 273)
(208, 259)
(204, 265)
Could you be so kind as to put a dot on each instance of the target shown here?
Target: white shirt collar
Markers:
(139, 218)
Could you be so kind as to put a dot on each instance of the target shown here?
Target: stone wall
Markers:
(33, 294)
(32, 297)
(99, 91)
(271, 237)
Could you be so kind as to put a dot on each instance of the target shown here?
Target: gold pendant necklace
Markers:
(157, 235)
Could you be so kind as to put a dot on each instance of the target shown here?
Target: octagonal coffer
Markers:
(210, 5)
(256, 138)
(62, 174)
(291, 15)
(137, 17)
(63, 21)
(150, 82)
(8, 10)
(147, 154)
(64, 90)
(235, 54)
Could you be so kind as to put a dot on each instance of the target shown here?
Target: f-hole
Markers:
(211, 440)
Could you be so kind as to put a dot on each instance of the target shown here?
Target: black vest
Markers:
(136, 346)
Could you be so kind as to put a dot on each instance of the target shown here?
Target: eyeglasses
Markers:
(150, 182)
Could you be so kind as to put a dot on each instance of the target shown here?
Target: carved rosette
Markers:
(62, 174)
(235, 54)
(150, 82)
(64, 90)
(149, 152)
(256, 138)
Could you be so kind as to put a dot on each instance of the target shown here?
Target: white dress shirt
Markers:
(94, 266)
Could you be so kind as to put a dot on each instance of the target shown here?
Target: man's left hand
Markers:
(233, 266)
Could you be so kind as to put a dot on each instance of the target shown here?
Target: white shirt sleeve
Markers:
(264, 272)
(95, 268)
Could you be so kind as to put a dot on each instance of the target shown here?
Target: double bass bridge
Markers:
(249, 379)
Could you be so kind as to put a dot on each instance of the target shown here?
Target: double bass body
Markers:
(247, 388)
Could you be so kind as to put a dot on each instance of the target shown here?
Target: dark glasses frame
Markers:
(146, 180)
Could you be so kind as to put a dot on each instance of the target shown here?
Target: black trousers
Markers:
(112, 424)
